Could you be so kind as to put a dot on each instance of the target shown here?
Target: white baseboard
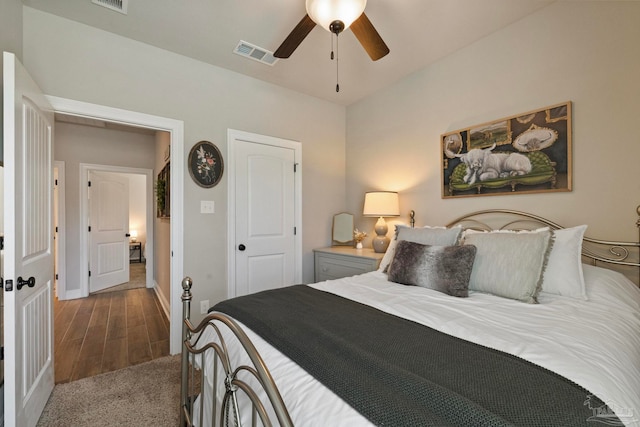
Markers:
(163, 300)
(73, 294)
(2, 404)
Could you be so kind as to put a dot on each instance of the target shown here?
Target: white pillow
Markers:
(563, 275)
(435, 236)
(509, 264)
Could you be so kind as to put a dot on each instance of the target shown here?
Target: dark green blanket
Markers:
(396, 372)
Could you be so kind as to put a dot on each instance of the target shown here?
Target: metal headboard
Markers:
(596, 251)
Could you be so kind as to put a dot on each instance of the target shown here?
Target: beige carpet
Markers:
(147, 394)
(137, 279)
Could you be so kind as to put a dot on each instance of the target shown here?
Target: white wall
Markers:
(138, 205)
(162, 231)
(74, 61)
(585, 52)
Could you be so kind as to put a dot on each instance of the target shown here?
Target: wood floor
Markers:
(108, 331)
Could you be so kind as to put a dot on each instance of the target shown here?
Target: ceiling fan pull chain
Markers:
(337, 67)
(331, 37)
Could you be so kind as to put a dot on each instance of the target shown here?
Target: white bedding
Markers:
(595, 343)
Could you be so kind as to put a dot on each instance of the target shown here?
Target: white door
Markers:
(108, 230)
(265, 217)
(28, 268)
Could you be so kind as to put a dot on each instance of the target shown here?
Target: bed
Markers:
(559, 348)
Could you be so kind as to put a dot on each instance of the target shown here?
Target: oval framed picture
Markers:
(205, 164)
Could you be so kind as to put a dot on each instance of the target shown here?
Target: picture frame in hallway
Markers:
(205, 164)
(163, 192)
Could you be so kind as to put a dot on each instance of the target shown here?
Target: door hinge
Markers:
(89, 273)
(2, 353)
(295, 230)
(56, 276)
(295, 167)
(89, 183)
(56, 182)
(89, 228)
(8, 285)
(56, 229)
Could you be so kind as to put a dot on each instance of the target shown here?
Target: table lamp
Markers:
(381, 204)
(134, 236)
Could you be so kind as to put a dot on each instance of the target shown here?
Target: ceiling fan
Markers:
(336, 16)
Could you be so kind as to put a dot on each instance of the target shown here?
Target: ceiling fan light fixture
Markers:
(325, 12)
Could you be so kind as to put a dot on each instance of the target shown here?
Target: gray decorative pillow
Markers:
(442, 268)
(509, 264)
(438, 236)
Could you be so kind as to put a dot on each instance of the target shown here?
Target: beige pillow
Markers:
(509, 264)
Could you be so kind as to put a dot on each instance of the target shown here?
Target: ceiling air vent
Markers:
(256, 53)
(117, 5)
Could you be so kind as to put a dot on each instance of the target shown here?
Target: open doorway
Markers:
(111, 207)
(119, 234)
(174, 130)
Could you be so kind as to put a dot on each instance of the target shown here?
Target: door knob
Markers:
(127, 235)
(242, 247)
(30, 282)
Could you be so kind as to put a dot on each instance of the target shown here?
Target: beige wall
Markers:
(11, 27)
(585, 52)
(74, 61)
(10, 41)
(77, 144)
(162, 229)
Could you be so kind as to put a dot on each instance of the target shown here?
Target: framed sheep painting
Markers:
(526, 153)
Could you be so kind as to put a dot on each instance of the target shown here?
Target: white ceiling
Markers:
(418, 33)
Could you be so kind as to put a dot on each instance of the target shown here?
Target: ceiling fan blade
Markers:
(294, 39)
(369, 37)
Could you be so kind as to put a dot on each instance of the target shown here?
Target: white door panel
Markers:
(109, 222)
(28, 257)
(267, 272)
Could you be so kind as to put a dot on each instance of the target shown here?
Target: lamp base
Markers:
(381, 242)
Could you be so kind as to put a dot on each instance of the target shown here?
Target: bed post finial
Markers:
(187, 282)
(412, 217)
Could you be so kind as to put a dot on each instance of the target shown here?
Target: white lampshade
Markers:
(134, 235)
(324, 12)
(381, 203)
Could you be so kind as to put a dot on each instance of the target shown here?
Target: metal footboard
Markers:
(241, 384)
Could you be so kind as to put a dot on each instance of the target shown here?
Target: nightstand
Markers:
(343, 261)
(135, 252)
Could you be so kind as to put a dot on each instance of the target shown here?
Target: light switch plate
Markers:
(207, 206)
